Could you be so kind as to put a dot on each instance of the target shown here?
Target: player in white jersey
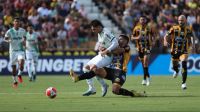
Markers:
(16, 38)
(107, 40)
(32, 52)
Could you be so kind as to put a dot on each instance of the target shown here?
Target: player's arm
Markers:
(167, 37)
(7, 37)
(114, 44)
(133, 36)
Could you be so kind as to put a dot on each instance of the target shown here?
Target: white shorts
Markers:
(100, 61)
(16, 56)
(32, 56)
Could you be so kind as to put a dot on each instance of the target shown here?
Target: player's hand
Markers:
(103, 53)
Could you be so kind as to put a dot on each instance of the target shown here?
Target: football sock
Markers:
(175, 66)
(101, 81)
(125, 92)
(20, 72)
(91, 84)
(29, 69)
(34, 68)
(184, 71)
(86, 75)
(146, 72)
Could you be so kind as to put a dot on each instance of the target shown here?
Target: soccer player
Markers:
(15, 36)
(108, 41)
(32, 52)
(143, 36)
(116, 72)
(180, 39)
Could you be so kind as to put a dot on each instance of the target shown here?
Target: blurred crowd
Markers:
(62, 24)
(59, 24)
(161, 14)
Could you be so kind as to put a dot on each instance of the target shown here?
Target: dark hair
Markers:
(125, 37)
(96, 23)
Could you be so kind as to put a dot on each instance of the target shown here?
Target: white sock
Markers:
(20, 72)
(90, 83)
(101, 81)
(29, 69)
(34, 68)
(14, 78)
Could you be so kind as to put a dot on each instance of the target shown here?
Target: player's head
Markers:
(181, 20)
(16, 22)
(143, 20)
(30, 28)
(123, 40)
(96, 26)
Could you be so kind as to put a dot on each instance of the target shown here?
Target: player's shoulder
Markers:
(106, 31)
(22, 29)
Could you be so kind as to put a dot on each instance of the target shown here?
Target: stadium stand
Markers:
(63, 24)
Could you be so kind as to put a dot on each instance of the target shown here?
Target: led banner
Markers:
(55, 65)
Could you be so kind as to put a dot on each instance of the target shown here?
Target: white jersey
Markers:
(105, 38)
(16, 37)
(31, 42)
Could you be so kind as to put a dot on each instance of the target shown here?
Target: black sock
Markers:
(146, 72)
(125, 92)
(87, 75)
(184, 71)
(175, 66)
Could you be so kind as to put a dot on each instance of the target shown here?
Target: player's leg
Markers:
(14, 73)
(141, 58)
(34, 67)
(91, 89)
(21, 58)
(183, 58)
(145, 68)
(29, 65)
(175, 64)
(13, 60)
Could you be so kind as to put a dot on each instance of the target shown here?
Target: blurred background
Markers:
(63, 25)
(66, 40)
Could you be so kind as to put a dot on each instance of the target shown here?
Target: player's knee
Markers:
(115, 89)
(93, 68)
(86, 68)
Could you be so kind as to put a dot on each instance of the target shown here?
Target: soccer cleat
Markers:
(104, 90)
(175, 74)
(148, 82)
(89, 92)
(20, 78)
(73, 76)
(144, 82)
(15, 85)
(30, 79)
(183, 86)
(137, 94)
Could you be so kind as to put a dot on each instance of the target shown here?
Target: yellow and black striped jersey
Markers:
(143, 43)
(120, 61)
(180, 38)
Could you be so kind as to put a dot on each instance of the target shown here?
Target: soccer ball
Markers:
(51, 92)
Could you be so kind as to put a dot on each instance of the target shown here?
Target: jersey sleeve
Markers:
(169, 33)
(7, 34)
(109, 35)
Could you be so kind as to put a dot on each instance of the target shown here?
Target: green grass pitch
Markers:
(164, 94)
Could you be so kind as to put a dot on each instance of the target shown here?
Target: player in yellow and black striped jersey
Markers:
(143, 37)
(180, 39)
(115, 72)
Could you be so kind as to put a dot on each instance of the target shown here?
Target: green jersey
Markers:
(32, 42)
(16, 38)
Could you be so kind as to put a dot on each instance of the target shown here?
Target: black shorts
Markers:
(178, 56)
(115, 75)
(142, 54)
